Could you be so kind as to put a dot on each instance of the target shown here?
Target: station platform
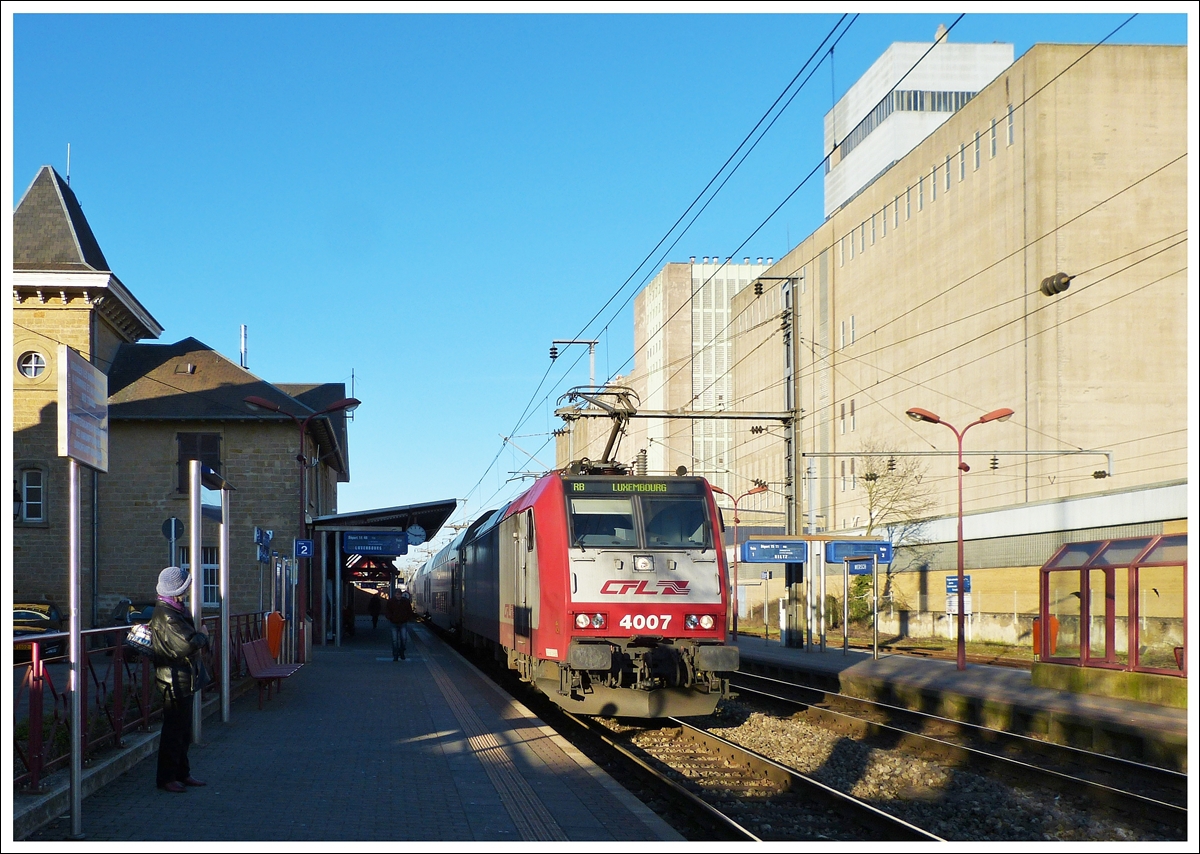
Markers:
(358, 747)
(999, 697)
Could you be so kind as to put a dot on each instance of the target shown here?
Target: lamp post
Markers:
(761, 488)
(917, 414)
(348, 404)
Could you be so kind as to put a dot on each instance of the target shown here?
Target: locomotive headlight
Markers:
(690, 621)
(582, 621)
(598, 621)
(643, 563)
(707, 622)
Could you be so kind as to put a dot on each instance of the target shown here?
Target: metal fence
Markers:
(117, 693)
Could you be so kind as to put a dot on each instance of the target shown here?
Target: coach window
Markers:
(205, 447)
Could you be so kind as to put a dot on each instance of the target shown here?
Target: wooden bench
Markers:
(264, 669)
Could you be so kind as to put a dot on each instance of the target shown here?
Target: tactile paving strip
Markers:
(525, 808)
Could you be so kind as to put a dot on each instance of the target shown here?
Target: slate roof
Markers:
(50, 231)
(190, 381)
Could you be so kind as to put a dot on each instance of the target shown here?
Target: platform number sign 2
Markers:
(304, 548)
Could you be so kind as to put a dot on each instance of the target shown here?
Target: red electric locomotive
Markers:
(606, 592)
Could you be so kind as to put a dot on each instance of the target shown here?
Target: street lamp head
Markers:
(261, 403)
(757, 490)
(918, 414)
(347, 404)
(719, 491)
(996, 415)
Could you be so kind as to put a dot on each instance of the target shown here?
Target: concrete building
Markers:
(901, 99)
(167, 404)
(683, 356)
(923, 288)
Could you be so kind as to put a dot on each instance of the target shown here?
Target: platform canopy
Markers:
(428, 517)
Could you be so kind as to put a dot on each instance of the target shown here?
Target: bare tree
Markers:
(898, 503)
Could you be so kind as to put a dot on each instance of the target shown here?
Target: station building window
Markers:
(31, 496)
(210, 567)
(31, 364)
(205, 447)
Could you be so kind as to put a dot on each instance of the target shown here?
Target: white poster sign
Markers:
(82, 410)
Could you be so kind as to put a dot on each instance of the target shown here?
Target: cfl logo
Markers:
(620, 587)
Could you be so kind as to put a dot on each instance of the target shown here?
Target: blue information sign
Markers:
(952, 583)
(375, 542)
(775, 551)
(304, 548)
(859, 567)
(837, 551)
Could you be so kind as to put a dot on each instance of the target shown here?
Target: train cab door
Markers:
(525, 592)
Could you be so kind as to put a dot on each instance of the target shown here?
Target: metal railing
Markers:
(117, 691)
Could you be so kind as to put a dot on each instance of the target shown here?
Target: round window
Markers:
(31, 364)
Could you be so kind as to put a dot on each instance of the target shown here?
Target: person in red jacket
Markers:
(399, 613)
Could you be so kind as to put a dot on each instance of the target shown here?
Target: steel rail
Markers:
(883, 825)
(727, 828)
(1165, 812)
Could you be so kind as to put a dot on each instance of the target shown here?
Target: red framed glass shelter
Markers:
(1117, 604)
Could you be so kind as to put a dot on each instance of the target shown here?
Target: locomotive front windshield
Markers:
(640, 521)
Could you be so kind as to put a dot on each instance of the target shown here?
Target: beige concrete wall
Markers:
(758, 360)
(943, 311)
(662, 376)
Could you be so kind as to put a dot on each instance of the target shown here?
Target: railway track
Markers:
(938, 791)
(1142, 793)
(741, 794)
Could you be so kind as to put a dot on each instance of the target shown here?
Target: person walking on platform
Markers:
(374, 607)
(399, 613)
(176, 655)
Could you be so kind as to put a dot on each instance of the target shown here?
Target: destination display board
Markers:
(774, 551)
(837, 551)
(375, 542)
(634, 486)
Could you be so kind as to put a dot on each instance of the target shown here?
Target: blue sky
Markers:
(428, 200)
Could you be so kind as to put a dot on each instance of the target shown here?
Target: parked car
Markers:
(32, 618)
(128, 612)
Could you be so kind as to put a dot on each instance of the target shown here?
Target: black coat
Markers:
(176, 652)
